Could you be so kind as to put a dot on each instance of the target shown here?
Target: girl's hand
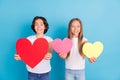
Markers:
(63, 55)
(48, 56)
(92, 60)
(17, 57)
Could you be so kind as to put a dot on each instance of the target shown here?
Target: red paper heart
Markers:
(62, 46)
(32, 54)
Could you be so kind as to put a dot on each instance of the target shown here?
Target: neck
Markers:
(75, 36)
(39, 35)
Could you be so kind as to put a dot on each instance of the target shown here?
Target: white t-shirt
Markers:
(44, 66)
(75, 60)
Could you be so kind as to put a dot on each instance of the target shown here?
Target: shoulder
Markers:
(84, 40)
(31, 37)
(49, 39)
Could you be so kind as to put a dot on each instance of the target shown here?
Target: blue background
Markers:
(101, 21)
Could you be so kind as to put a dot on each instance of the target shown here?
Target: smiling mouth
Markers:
(75, 31)
(39, 29)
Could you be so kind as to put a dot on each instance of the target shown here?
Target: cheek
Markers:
(72, 29)
(78, 29)
(35, 27)
(43, 27)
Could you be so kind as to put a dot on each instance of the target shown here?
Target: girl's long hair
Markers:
(80, 36)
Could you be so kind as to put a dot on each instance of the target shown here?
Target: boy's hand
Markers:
(17, 57)
(48, 56)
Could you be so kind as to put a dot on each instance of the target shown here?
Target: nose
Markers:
(75, 28)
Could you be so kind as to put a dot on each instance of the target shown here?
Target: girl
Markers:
(40, 71)
(75, 59)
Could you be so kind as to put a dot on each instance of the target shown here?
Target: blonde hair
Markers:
(80, 36)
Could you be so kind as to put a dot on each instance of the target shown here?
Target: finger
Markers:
(16, 56)
(94, 59)
(91, 60)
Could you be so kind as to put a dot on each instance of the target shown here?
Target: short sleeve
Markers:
(49, 39)
(84, 40)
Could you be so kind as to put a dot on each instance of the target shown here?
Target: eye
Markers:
(72, 26)
(41, 24)
(36, 24)
(78, 26)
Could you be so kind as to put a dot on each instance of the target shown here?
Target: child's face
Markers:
(75, 28)
(39, 26)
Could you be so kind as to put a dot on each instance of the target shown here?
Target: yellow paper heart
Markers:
(92, 50)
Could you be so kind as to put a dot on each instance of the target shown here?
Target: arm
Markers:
(92, 59)
(49, 54)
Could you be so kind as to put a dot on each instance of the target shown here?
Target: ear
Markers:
(45, 27)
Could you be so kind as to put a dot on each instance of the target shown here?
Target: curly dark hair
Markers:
(44, 21)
